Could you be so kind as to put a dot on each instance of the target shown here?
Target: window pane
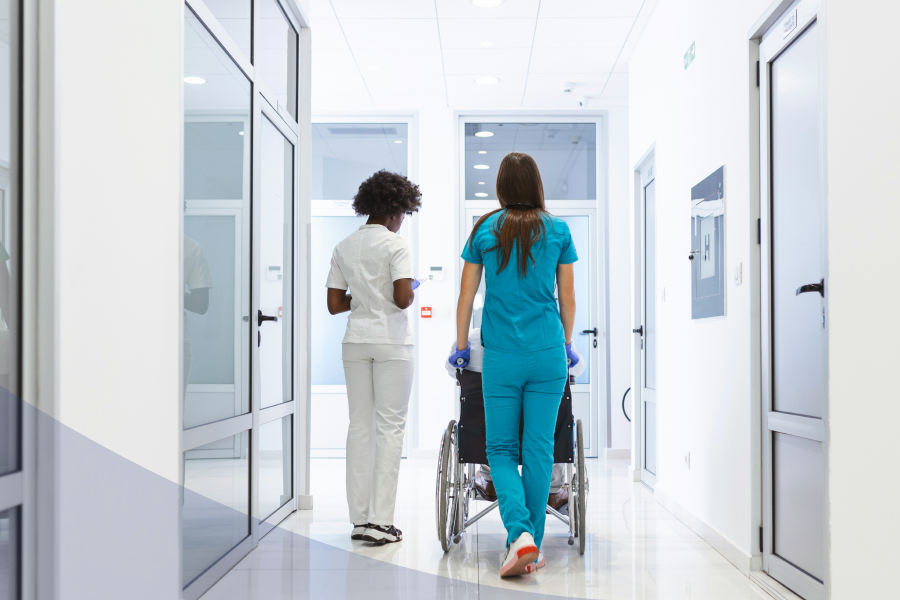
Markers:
(277, 62)
(216, 508)
(234, 16)
(346, 154)
(9, 554)
(10, 410)
(566, 154)
(274, 465)
(275, 288)
(216, 231)
(327, 330)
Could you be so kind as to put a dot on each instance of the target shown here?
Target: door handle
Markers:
(261, 317)
(594, 331)
(812, 287)
(639, 330)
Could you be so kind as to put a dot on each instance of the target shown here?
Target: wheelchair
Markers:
(463, 445)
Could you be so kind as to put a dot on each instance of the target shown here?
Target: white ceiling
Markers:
(423, 53)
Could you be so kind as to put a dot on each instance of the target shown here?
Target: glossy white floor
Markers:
(636, 550)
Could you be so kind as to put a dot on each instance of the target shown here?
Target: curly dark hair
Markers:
(386, 193)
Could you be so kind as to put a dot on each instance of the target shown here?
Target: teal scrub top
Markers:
(521, 314)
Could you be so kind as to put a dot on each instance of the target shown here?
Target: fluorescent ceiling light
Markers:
(194, 80)
(487, 80)
(372, 67)
(487, 44)
(481, 194)
(240, 133)
(482, 152)
(398, 141)
(487, 3)
(484, 134)
(481, 167)
(480, 183)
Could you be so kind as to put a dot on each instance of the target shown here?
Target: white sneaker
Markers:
(358, 531)
(382, 534)
(519, 555)
(539, 563)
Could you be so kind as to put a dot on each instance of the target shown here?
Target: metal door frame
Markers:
(768, 42)
(565, 208)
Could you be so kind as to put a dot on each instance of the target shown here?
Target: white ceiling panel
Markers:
(328, 35)
(392, 83)
(552, 83)
(326, 101)
(391, 33)
(392, 60)
(573, 60)
(320, 9)
(486, 61)
(464, 9)
(510, 83)
(410, 100)
(384, 9)
(617, 86)
(485, 101)
(550, 101)
(590, 8)
(502, 33)
(582, 33)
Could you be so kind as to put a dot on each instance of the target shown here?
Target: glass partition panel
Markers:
(277, 61)
(566, 154)
(235, 18)
(216, 230)
(346, 154)
(276, 248)
(9, 554)
(327, 329)
(274, 465)
(216, 506)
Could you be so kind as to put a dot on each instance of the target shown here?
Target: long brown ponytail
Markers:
(521, 194)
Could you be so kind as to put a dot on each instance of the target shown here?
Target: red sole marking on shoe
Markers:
(524, 557)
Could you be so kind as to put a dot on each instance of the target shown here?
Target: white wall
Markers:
(863, 220)
(698, 120)
(119, 237)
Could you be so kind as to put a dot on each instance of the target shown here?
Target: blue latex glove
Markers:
(571, 356)
(416, 283)
(460, 358)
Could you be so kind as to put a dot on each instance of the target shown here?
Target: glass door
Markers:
(648, 331)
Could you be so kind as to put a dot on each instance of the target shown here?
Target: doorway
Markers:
(794, 291)
(647, 329)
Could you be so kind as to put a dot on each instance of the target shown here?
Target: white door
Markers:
(588, 329)
(648, 329)
(794, 293)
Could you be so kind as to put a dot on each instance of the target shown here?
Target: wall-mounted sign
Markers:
(708, 247)
(789, 24)
(689, 56)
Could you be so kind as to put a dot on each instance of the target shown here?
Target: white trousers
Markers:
(379, 380)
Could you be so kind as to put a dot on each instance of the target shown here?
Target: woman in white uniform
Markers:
(371, 276)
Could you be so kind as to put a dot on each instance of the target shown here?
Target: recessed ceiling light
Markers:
(487, 44)
(480, 183)
(487, 3)
(482, 152)
(481, 167)
(372, 67)
(487, 80)
(398, 141)
(481, 194)
(194, 80)
(240, 133)
(484, 134)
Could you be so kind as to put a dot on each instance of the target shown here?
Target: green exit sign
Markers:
(689, 56)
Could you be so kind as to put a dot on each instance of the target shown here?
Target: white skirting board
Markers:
(732, 553)
(304, 502)
(624, 453)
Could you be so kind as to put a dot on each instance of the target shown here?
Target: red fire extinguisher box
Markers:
(426, 312)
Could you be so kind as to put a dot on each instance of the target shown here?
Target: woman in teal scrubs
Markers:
(524, 253)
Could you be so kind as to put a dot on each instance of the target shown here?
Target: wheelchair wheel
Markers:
(582, 488)
(446, 493)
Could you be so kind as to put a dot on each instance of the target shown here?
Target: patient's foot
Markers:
(558, 500)
(485, 487)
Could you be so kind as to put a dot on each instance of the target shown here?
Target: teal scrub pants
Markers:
(516, 385)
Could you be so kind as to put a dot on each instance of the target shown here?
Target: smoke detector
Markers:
(568, 88)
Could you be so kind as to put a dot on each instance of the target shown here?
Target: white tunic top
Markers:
(367, 263)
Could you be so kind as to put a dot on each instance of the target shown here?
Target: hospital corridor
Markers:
(449, 300)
